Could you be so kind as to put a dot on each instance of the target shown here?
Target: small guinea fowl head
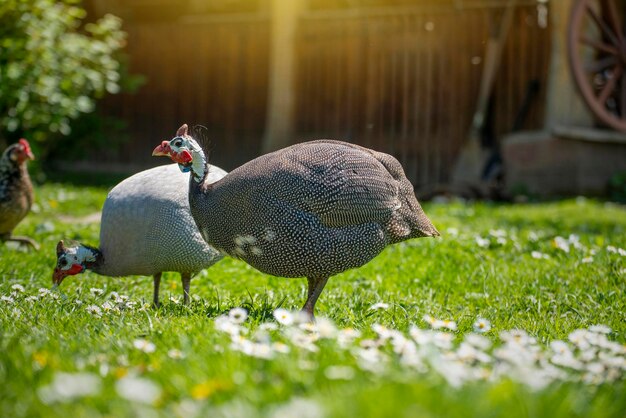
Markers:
(19, 152)
(71, 260)
(185, 151)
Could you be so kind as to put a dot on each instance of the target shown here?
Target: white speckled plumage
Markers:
(146, 228)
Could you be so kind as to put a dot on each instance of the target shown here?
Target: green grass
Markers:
(448, 278)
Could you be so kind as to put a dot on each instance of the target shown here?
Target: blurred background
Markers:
(478, 98)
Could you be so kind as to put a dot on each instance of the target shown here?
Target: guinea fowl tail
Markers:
(409, 221)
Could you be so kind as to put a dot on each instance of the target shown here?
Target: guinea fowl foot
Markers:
(24, 241)
(315, 289)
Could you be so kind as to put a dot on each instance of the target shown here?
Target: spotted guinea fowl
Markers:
(16, 191)
(146, 229)
(310, 210)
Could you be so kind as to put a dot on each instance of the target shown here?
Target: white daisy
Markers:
(238, 315)
(283, 316)
(137, 389)
(451, 325)
(175, 354)
(268, 326)
(482, 242)
(561, 243)
(482, 325)
(68, 386)
(7, 299)
(280, 348)
(600, 329)
(430, 320)
(94, 310)
(18, 288)
(339, 372)
(96, 291)
(144, 345)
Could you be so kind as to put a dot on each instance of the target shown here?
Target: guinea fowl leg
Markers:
(315, 289)
(24, 240)
(157, 285)
(186, 279)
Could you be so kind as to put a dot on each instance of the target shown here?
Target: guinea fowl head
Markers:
(185, 151)
(72, 259)
(19, 152)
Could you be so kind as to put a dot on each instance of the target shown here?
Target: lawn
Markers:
(517, 311)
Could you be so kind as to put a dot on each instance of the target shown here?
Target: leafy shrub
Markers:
(52, 68)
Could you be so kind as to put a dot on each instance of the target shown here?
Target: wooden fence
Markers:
(407, 82)
(400, 80)
(211, 72)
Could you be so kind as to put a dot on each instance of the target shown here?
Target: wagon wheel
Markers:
(597, 52)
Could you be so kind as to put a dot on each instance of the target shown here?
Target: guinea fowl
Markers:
(16, 191)
(146, 229)
(310, 210)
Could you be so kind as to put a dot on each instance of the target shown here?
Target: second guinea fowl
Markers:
(146, 229)
(310, 210)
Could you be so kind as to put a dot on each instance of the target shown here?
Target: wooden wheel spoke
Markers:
(610, 85)
(597, 66)
(597, 52)
(603, 26)
(601, 46)
(612, 18)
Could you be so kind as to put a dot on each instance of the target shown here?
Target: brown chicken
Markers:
(16, 191)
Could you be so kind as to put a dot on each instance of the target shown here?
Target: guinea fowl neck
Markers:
(199, 186)
(199, 172)
(93, 258)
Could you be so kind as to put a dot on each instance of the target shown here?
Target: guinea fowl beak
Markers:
(183, 157)
(162, 150)
(57, 277)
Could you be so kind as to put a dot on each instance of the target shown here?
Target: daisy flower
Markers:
(238, 315)
(144, 345)
(482, 325)
(175, 354)
(96, 291)
(600, 329)
(17, 288)
(94, 310)
(7, 299)
(482, 242)
(283, 316)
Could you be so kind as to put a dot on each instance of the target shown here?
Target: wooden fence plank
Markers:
(400, 79)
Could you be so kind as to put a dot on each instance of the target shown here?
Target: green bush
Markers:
(52, 68)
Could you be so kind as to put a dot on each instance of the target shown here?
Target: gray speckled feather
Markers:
(310, 210)
(147, 228)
